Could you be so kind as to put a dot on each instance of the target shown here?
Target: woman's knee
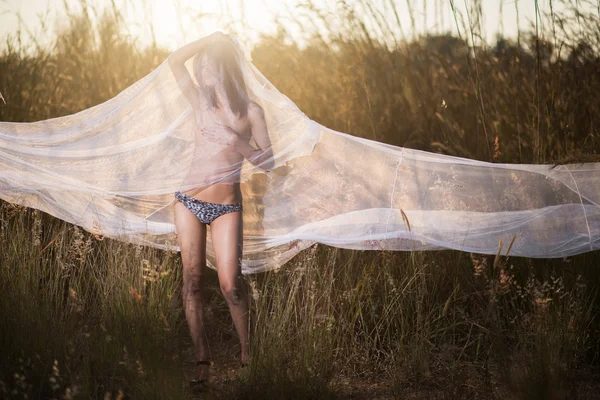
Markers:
(192, 293)
(193, 260)
(233, 290)
(193, 279)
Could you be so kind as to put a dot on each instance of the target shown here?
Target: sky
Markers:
(177, 22)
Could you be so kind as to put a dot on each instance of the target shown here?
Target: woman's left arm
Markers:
(263, 156)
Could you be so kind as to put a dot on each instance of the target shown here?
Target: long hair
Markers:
(222, 55)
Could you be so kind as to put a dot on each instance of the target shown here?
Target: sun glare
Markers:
(174, 24)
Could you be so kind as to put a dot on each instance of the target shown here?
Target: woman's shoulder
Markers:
(255, 110)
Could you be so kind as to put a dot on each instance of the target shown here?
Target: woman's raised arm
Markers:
(177, 60)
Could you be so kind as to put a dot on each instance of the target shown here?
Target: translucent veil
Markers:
(113, 169)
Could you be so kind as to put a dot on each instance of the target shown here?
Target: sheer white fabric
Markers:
(113, 169)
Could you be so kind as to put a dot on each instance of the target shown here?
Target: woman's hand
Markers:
(218, 35)
(221, 134)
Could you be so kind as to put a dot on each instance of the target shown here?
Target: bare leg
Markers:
(226, 234)
(191, 236)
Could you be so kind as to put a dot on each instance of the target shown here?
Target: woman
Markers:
(222, 95)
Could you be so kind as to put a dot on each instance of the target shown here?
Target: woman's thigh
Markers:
(227, 234)
(191, 237)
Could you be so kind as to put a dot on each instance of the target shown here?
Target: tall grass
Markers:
(83, 316)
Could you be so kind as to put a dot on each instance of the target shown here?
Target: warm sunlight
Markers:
(338, 199)
(176, 23)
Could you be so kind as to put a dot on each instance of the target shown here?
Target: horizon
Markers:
(173, 24)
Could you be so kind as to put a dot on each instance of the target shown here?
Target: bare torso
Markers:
(227, 191)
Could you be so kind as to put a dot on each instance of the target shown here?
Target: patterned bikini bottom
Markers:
(205, 211)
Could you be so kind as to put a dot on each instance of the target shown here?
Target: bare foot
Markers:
(202, 372)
